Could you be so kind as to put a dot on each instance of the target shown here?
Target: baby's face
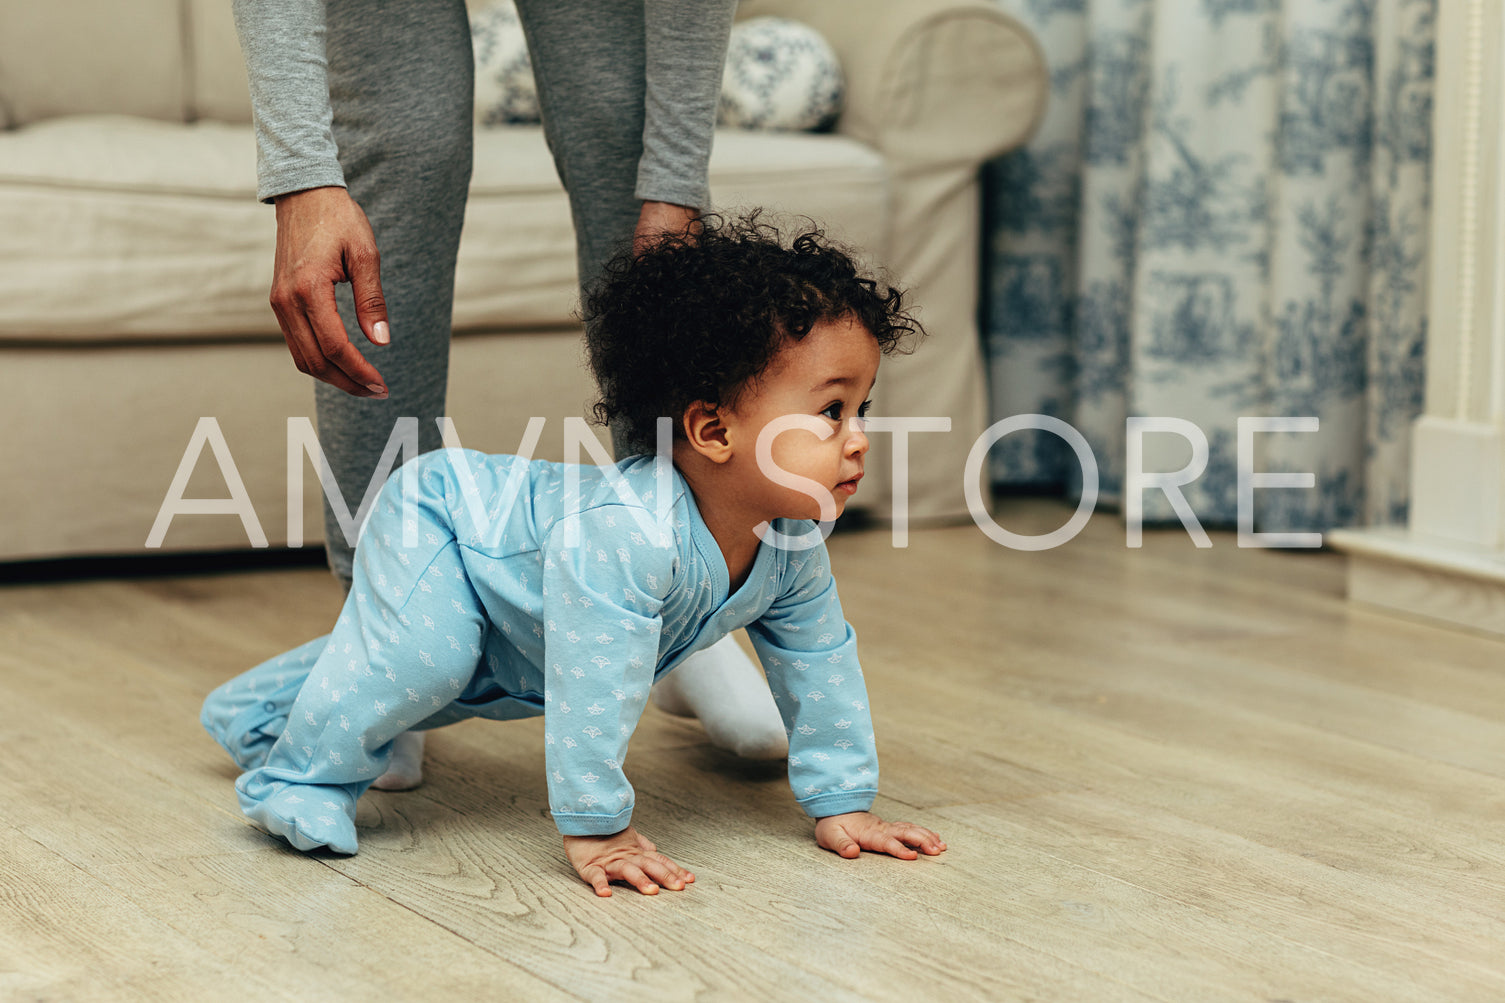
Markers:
(822, 381)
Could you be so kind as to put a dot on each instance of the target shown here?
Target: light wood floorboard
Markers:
(1164, 774)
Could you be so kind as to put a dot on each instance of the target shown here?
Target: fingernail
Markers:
(378, 391)
(381, 332)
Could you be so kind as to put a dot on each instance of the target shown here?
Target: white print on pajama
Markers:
(570, 611)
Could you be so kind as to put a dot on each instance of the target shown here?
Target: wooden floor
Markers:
(1163, 774)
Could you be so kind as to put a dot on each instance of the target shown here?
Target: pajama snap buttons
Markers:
(269, 706)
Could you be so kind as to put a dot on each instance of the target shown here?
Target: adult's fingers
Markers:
(335, 354)
(293, 347)
(309, 358)
(364, 268)
(657, 220)
(323, 238)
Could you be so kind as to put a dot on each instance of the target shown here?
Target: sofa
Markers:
(135, 263)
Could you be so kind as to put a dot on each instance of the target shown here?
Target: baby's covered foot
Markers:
(306, 815)
(405, 771)
(724, 689)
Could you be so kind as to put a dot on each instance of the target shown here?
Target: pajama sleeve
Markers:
(685, 58)
(602, 592)
(283, 43)
(809, 652)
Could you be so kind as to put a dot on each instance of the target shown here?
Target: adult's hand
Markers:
(323, 238)
(661, 219)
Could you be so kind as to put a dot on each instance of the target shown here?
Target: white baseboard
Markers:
(1456, 480)
(1439, 580)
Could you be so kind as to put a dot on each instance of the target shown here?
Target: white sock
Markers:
(405, 771)
(727, 692)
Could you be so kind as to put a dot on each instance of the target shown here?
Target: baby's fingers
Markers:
(898, 838)
(595, 875)
(634, 876)
(683, 873)
(920, 838)
(834, 837)
(885, 842)
(666, 872)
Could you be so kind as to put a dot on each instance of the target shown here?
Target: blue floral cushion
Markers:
(780, 75)
(505, 91)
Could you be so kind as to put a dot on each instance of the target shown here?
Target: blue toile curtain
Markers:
(1224, 213)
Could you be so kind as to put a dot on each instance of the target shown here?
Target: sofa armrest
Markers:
(928, 82)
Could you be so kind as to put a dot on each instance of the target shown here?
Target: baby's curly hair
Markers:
(696, 317)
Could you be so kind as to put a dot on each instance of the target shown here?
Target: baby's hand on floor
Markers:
(624, 856)
(850, 834)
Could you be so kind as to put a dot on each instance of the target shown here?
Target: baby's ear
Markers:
(706, 432)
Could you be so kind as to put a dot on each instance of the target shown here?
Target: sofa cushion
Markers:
(780, 75)
(92, 56)
(217, 68)
(506, 93)
(122, 228)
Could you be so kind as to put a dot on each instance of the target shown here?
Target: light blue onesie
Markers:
(527, 588)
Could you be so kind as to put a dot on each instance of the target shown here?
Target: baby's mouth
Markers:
(849, 486)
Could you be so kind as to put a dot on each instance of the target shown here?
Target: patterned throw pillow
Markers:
(780, 76)
(505, 92)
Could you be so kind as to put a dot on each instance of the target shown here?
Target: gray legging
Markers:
(400, 84)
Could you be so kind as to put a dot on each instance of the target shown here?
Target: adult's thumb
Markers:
(370, 306)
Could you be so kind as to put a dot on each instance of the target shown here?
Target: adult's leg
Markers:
(401, 86)
(590, 64)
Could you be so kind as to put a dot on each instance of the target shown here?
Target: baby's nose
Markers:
(857, 439)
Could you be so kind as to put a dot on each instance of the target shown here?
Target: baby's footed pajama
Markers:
(313, 727)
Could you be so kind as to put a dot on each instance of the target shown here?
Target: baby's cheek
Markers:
(795, 453)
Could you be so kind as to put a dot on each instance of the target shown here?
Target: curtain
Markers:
(1224, 214)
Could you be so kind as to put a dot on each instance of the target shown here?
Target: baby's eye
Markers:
(862, 411)
(833, 411)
